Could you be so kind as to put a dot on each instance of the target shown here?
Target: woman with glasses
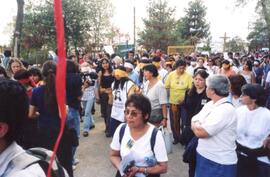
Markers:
(105, 80)
(138, 148)
(253, 127)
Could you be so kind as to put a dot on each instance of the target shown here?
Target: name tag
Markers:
(204, 101)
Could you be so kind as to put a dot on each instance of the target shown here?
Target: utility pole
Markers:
(134, 26)
(225, 37)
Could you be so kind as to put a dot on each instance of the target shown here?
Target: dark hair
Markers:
(122, 81)
(34, 71)
(7, 53)
(180, 63)
(249, 64)
(3, 71)
(152, 69)
(72, 67)
(156, 59)
(255, 91)
(141, 103)
(237, 81)
(203, 74)
(110, 66)
(227, 62)
(14, 106)
(22, 74)
(49, 72)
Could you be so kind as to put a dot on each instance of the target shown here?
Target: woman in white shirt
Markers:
(122, 88)
(155, 91)
(132, 150)
(215, 126)
(253, 127)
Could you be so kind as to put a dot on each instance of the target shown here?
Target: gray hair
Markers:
(220, 84)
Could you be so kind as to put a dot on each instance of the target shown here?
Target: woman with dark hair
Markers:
(43, 106)
(155, 91)
(138, 142)
(226, 69)
(237, 81)
(247, 72)
(104, 95)
(36, 75)
(3, 73)
(122, 88)
(195, 99)
(24, 77)
(253, 127)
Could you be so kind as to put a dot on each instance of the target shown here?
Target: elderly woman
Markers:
(253, 127)
(138, 148)
(215, 126)
(156, 92)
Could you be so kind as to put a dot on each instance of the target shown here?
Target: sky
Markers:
(222, 15)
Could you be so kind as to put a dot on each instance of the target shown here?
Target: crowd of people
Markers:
(216, 105)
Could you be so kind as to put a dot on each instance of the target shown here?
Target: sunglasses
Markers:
(131, 113)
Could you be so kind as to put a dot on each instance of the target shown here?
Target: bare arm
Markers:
(115, 158)
(32, 112)
(198, 130)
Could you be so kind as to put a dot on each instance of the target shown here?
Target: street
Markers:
(93, 153)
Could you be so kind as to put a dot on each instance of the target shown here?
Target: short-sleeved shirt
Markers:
(45, 119)
(141, 147)
(253, 127)
(178, 85)
(157, 94)
(220, 122)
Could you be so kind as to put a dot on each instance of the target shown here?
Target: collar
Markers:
(9, 154)
(221, 101)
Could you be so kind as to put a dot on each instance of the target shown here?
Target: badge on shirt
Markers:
(204, 101)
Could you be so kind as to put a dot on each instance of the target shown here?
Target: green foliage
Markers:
(260, 34)
(159, 31)
(193, 26)
(236, 44)
(84, 21)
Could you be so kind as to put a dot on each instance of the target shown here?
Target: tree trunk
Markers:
(18, 27)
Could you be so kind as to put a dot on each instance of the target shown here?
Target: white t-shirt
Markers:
(157, 94)
(253, 127)
(141, 147)
(267, 80)
(219, 121)
(119, 100)
(163, 74)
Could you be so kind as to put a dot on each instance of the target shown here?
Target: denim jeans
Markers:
(73, 120)
(88, 120)
(208, 168)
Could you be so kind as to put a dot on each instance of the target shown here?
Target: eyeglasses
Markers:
(131, 113)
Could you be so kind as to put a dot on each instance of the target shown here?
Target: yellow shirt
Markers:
(177, 85)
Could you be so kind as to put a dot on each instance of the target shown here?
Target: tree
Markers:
(258, 36)
(159, 31)
(193, 26)
(18, 27)
(263, 10)
(236, 44)
(81, 19)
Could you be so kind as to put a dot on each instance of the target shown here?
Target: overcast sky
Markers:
(222, 15)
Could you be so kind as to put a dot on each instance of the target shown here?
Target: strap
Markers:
(153, 139)
(121, 132)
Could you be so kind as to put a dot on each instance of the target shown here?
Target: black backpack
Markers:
(42, 157)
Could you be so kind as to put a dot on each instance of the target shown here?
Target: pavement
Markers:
(93, 153)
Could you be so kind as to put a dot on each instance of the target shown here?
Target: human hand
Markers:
(132, 171)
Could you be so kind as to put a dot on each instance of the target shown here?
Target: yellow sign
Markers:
(182, 50)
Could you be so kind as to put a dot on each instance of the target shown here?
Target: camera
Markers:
(90, 78)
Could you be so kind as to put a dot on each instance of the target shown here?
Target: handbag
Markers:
(167, 136)
(156, 116)
(189, 155)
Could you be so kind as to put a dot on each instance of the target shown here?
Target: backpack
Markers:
(152, 139)
(42, 157)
